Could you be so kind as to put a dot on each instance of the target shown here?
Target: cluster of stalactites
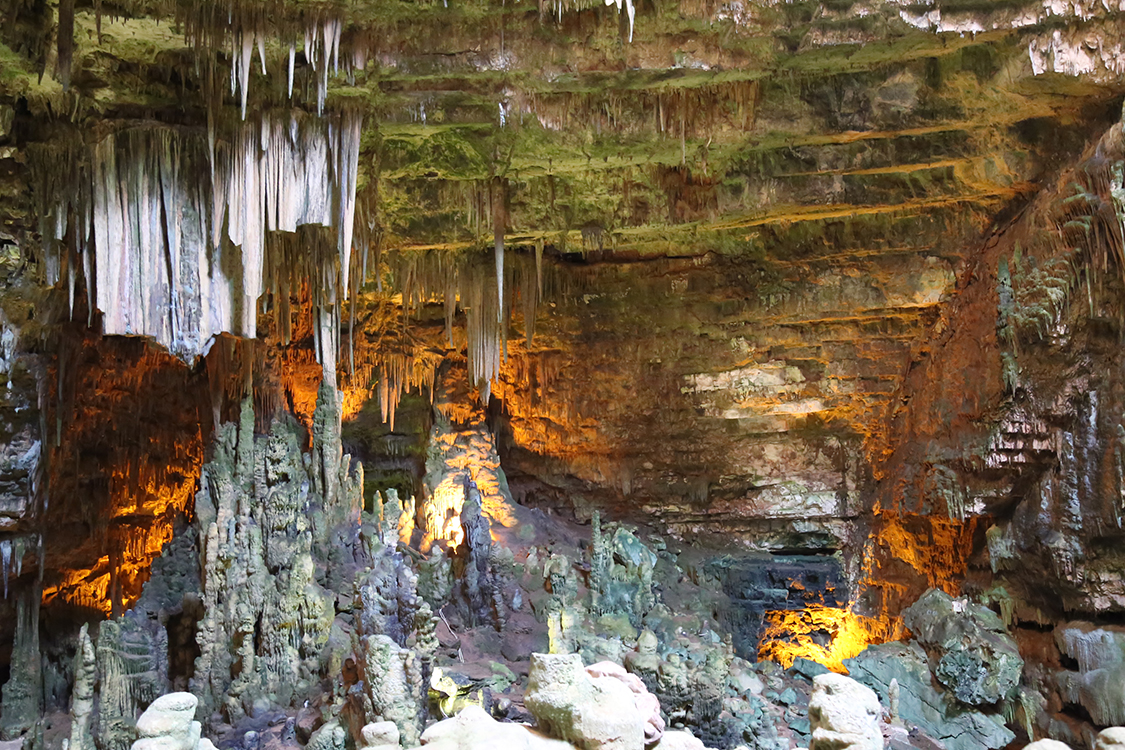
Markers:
(559, 6)
(320, 46)
(181, 258)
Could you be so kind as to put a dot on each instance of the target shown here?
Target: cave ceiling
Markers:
(731, 231)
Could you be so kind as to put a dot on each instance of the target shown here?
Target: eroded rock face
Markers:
(971, 651)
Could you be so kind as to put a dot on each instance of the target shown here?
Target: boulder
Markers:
(844, 715)
(971, 652)
(678, 740)
(920, 704)
(647, 704)
(474, 729)
(169, 724)
(593, 713)
(378, 735)
(1047, 745)
(1110, 739)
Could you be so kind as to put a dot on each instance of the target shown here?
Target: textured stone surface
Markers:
(971, 652)
(920, 704)
(1099, 683)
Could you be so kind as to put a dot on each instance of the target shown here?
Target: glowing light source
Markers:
(826, 635)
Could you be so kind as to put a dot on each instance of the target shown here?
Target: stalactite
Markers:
(65, 41)
(163, 267)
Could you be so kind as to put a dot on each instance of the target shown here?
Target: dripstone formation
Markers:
(462, 375)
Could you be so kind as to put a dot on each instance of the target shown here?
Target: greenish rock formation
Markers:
(22, 701)
(393, 682)
(132, 658)
(920, 704)
(970, 650)
(262, 514)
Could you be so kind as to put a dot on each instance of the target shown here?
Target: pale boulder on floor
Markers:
(844, 715)
(647, 704)
(1047, 745)
(594, 713)
(379, 735)
(474, 729)
(679, 740)
(1111, 739)
(169, 724)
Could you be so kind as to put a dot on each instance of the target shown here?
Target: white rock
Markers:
(844, 715)
(474, 729)
(677, 740)
(1047, 745)
(169, 724)
(1112, 738)
(379, 734)
(596, 713)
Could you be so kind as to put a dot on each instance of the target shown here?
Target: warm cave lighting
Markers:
(826, 635)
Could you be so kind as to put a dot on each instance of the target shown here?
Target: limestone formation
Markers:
(379, 735)
(678, 740)
(21, 701)
(262, 514)
(1099, 684)
(82, 706)
(393, 681)
(972, 653)
(646, 703)
(477, 587)
(935, 712)
(844, 715)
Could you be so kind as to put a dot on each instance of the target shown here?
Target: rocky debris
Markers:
(844, 715)
(169, 724)
(936, 712)
(971, 652)
(595, 713)
(1099, 684)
